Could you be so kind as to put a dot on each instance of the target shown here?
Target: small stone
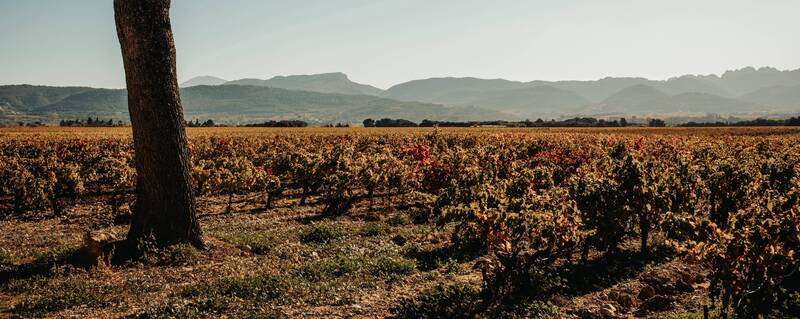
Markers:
(658, 303)
(646, 292)
(608, 311)
(399, 240)
(682, 285)
(626, 300)
(560, 301)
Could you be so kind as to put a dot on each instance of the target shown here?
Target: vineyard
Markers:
(416, 223)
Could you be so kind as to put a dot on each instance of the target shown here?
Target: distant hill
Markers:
(246, 104)
(777, 98)
(448, 90)
(323, 83)
(703, 103)
(203, 80)
(595, 91)
(643, 99)
(687, 84)
(635, 97)
(236, 101)
(537, 101)
(105, 102)
(24, 98)
(750, 79)
(521, 99)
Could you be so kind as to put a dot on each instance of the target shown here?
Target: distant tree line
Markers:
(34, 124)
(656, 123)
(574, 122)
(90, 122)
(792, 121)
(577, 122)
(281, 123)
(197, 123)
(337, 125)
(389, 123)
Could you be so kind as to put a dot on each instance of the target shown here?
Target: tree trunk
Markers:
(165, 206)
(303, 196)
(644, 228)
(371, 194)
(55, 204)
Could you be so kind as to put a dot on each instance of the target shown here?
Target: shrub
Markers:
(375, 229)
(392, 267)
(753, 262)
(400, 219)
(332, 267)
(321, 234)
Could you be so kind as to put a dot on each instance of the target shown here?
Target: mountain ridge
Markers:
(329, 97)
(335, 82)
(203, 80)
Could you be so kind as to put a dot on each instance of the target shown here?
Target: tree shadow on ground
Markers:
(118, 252)
(431, 258)
(42, 268)
(607, 270)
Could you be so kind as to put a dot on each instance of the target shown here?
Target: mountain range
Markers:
(333, 97)
(226, 103)
(748, 90)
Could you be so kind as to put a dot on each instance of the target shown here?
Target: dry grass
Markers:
(277, 262)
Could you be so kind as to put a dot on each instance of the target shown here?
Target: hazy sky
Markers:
(385, 42)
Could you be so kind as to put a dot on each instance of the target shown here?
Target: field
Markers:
(413, 223)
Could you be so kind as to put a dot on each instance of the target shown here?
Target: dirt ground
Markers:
(288, 262)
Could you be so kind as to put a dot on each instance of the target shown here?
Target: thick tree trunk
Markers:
(165, 207)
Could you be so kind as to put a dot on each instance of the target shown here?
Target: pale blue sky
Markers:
(385, 42)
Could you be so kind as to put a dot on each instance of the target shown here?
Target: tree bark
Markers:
(165, 206)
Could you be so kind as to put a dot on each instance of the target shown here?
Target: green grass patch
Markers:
(257, 243)
(375, 229)
(262, 287)
(195, 309)
(177, 255)
(322, 234)
(399, 219)
(392, 267)
(336, 266)
(56, 254)
(67, 294)
(455, 301)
